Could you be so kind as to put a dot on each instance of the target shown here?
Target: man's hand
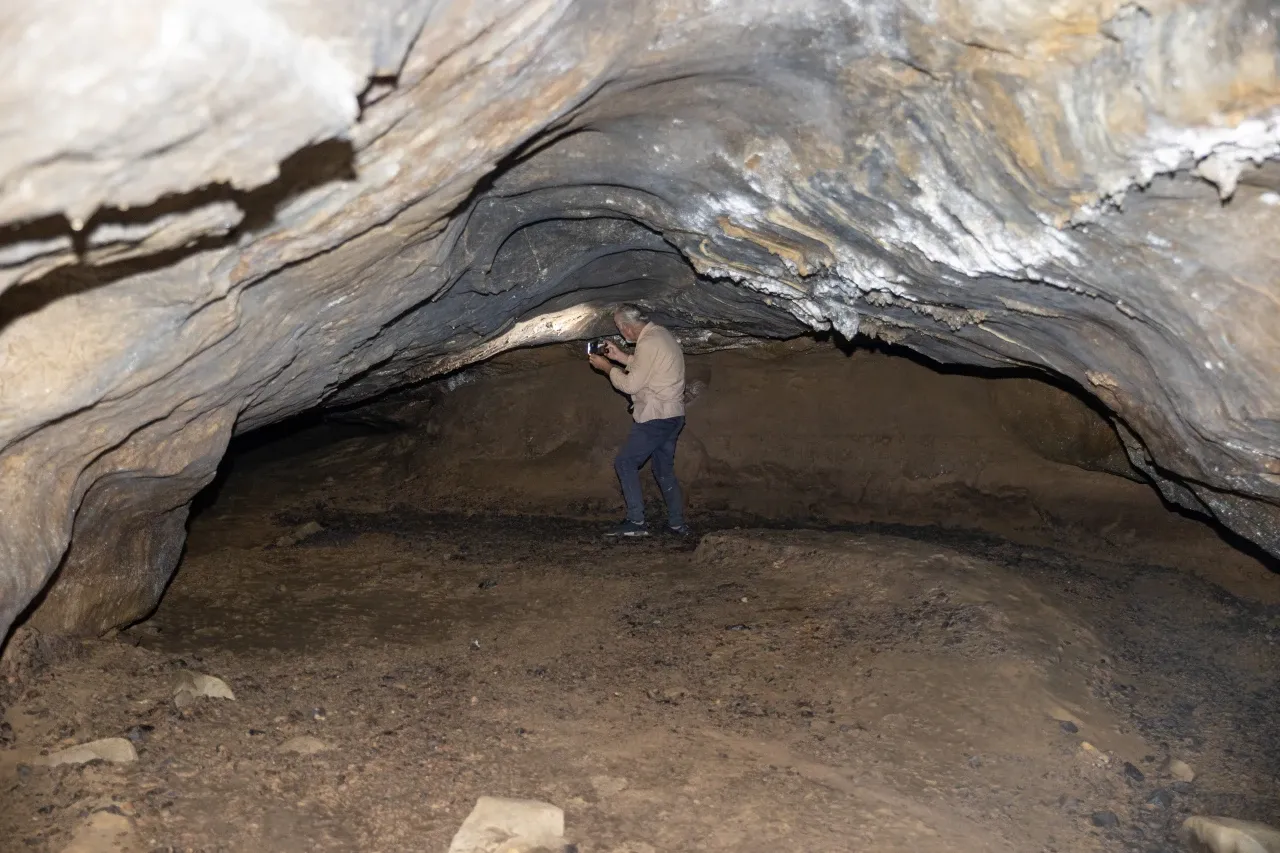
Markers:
(616, 353)
(600, 363)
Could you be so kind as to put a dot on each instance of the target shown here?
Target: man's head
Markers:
(630, 321)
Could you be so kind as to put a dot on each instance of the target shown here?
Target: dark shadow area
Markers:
(296, 436)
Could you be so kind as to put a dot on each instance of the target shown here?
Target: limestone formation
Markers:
(222, 216)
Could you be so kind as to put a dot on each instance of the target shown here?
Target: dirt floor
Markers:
(760, 691)
(851, 686)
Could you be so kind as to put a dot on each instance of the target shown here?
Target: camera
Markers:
(596, 347)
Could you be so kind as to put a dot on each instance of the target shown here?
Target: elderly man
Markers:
(653, 376)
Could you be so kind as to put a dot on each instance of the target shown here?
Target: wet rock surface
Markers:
(316, 203)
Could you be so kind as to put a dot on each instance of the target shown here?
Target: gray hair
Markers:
(631, 315)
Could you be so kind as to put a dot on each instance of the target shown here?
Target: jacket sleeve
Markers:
(637, 374)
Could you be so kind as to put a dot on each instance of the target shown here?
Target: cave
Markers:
(304, 473)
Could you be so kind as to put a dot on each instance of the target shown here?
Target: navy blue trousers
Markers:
(656, 439)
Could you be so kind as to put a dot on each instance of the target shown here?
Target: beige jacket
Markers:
(655, 377)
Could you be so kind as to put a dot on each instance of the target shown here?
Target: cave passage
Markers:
(924, 611)
(303, 476)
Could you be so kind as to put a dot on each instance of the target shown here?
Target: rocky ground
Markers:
(897, 689)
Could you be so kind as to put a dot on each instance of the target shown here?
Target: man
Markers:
(654, 379)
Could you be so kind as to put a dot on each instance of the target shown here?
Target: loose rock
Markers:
(667, 695)
(1070, 805)
(1227, 835)
(1068, 727)
(500, 824)
(1062, 715)
(193, 685)
(1181, 771)
(1160, 799)
(139, 733)
(1133, 773)
(607, 786)
(304, 745)
(1105, 820)
(1094, 753)
(302, 531)
(116, 750)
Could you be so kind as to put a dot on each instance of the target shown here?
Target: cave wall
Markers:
(219, 220)
(792, 433)
(795, 432)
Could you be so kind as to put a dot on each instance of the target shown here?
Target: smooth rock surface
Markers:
(193, 685)
(1227, 835)
(499, 824)
(216, 222)
(116, 750)
(304, 745)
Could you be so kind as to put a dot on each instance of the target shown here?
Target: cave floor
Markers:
(759, 690)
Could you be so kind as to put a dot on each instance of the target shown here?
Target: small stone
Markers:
(1105, 820)
(302, 531)
(975, 761)
(500, 824)
(304, 745)
(1062, 715)
(1181, 771)
(1070, 805)
(1133, 773)
(608, 786)
(139, 733)
(488, 583)
(194, 685)
(1094, 753)
(667, 695)
(1160, 799)
(116, 750)
(1068, 727)
(1227, 835)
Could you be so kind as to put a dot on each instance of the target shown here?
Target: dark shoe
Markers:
(629, 529)
(682, 531)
